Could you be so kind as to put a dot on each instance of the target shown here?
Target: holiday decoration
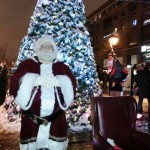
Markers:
(64, 20)
(110, 63)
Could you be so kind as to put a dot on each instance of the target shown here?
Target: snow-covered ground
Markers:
(14, 126)
(5, 124)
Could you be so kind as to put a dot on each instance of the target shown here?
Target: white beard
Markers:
(46, 57)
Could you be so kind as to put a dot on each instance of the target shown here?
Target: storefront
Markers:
(145, 50)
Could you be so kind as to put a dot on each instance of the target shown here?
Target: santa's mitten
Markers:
(47, 81)
(52, 81)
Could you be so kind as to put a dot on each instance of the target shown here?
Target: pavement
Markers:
(126, 93)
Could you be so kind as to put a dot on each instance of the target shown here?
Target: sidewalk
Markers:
(145, 102)
(80, 141)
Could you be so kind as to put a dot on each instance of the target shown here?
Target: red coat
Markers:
(29, 129)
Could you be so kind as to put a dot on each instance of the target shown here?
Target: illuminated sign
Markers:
(145, 48)
(134, 22)
(146, 22)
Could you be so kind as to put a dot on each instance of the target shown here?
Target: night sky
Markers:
(14, 22)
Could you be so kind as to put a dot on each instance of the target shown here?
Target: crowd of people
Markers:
(112, 83)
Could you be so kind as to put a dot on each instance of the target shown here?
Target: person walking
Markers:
(105, 79)
(142, 85)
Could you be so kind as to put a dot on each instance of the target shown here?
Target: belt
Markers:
(42, 120)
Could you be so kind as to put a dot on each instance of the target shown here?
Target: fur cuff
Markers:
(67, 90)
(25, 90)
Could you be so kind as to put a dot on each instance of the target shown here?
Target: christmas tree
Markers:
(65, 21)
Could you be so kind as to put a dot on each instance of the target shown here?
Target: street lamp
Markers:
(113, 40)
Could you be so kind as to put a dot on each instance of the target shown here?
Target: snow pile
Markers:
(5, 124)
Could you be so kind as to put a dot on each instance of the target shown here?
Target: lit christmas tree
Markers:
(65, 21)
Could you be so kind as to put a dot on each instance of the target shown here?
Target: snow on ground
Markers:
(5, 124)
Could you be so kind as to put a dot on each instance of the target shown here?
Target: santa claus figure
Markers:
(44, 88)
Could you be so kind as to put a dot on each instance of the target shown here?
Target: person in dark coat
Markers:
(3, 83)
(142, 80)
(105, 79)
(100, 73)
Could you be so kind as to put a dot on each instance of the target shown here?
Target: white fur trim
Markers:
(46, 69)
(52, 145)
(67, 91)
(47, 101)
(30, 146)
(43, 136)
(25, 89)
(47, 94)
(47, 107)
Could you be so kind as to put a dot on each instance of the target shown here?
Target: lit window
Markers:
(134, 22)
(146, 22)
(143, 48)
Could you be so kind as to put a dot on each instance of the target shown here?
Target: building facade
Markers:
(132, 21)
